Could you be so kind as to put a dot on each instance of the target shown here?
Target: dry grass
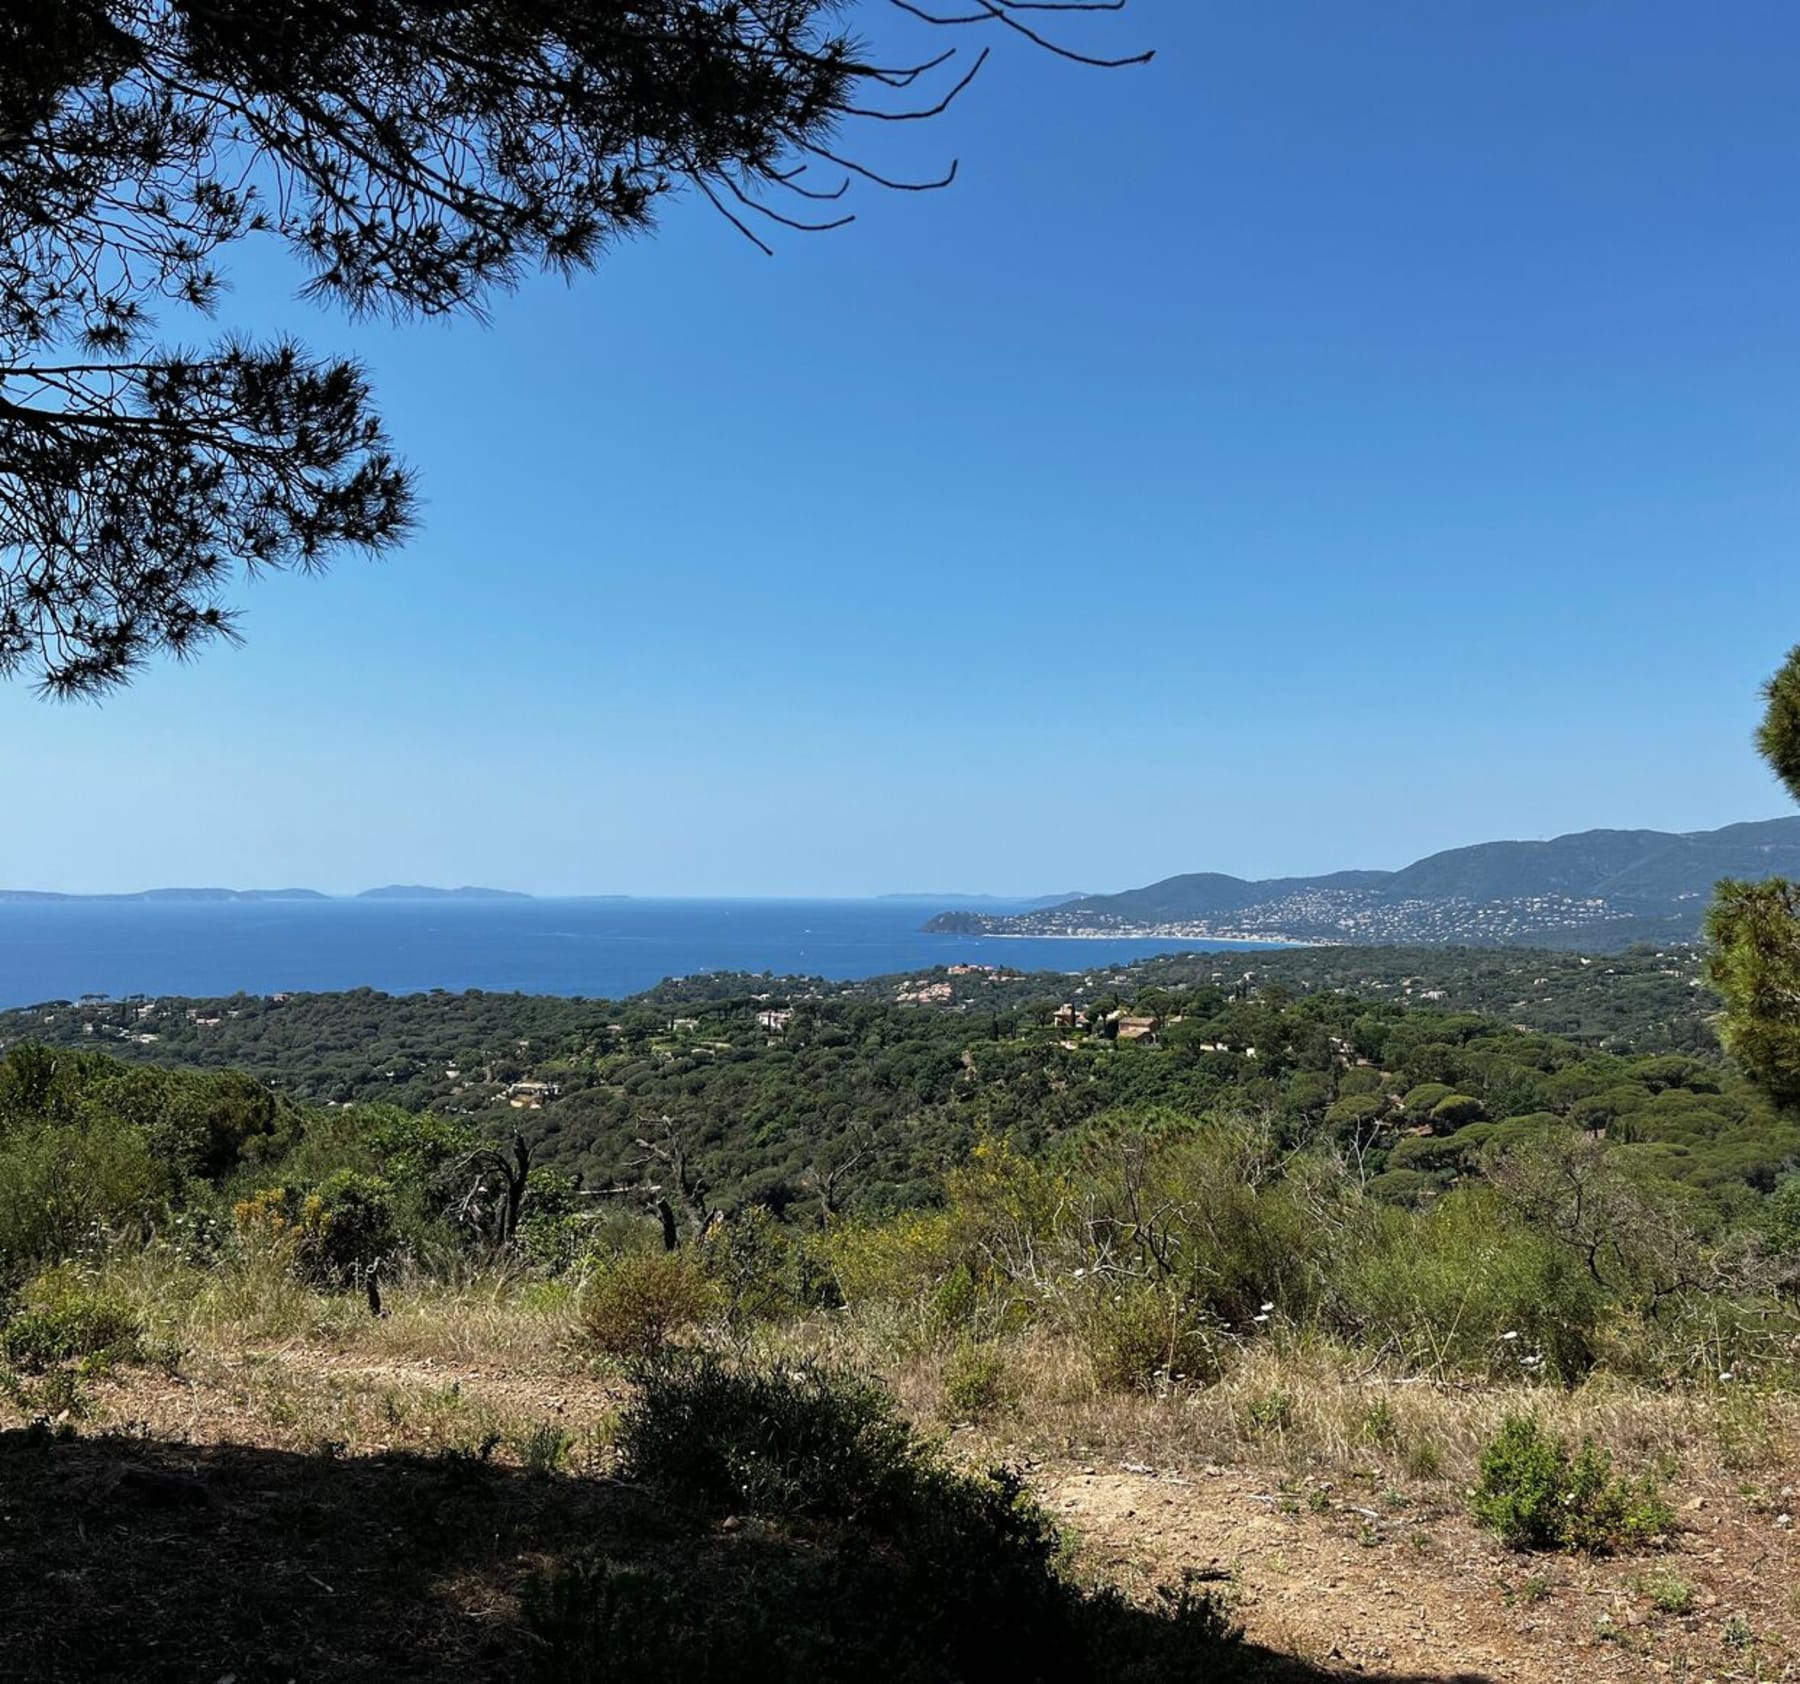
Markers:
(1314, 1409)
(486, 1368)
(496, 1358)
(1350, 1468)
(499, 1319)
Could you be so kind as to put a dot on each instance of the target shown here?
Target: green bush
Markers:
(1405, 1187)
(1468, 1288)
(976, 1386)
(1138, 1335)
(752, 1264)
(334, 1232)
(595, 1619)
(1268, 1414)
(870, 1552)
(1356, 1113)
(66, 1187)
(638, 1302)
(72, 1327)
(803, 1442)
(1537, 1495)
(1437, 1153)
(353, 1229)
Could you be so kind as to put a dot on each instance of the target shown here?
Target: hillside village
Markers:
(1353, 915)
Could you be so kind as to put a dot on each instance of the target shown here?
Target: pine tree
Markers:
(416, 156)
(1754, 928)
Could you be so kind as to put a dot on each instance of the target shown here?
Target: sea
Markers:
(60, 950)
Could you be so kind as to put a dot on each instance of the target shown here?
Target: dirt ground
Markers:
(1415, 1589)
(1351, 1582)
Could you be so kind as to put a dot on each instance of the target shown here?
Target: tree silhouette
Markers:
(416, 156)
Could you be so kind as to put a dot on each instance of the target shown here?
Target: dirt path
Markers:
(1416, 1590)
(1353, 1581)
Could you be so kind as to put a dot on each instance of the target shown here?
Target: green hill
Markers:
(1595, 889)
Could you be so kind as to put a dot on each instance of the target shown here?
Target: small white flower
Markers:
(1727, 1375)
(1267, 1308)
(1509, 1336)
(1259, 1318)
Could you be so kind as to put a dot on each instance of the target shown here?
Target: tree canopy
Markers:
(1754, 927)
(415, 156)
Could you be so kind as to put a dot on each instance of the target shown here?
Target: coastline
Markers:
(1146, 933)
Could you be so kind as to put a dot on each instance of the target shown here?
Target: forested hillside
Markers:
(1596, 890)
(797, 1094)
(363, 1044)
(1361, 1246)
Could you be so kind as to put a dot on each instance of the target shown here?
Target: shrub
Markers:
(63, 1186)
(350, 1221)
(750, 1262)
(1405, 1187)
(1437, 1153)
(1268, 1414)
(1524, 1474)
(871, 1553)
(1468, 1289)
(895, 1262)
(73, 1326)
(544, 1448)
(975, 1384)
(802, 1442)
(334, 1232)
(952, 1304)
(1137, 1334)
(1356, 1114)
(1536, 1495)
(554, 1230)
(637, 1302)
(1669, 1593)
(1423, 1459)
(1605, 1512)
(1419, 1101)
(595, 1619)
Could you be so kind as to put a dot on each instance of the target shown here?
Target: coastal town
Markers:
(1312, 916)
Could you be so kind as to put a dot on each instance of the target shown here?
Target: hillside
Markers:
(310, 1393)
(771, 1083)
(1596, 890)
(423, 1050)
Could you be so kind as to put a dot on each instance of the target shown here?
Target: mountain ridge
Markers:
(1587, 888)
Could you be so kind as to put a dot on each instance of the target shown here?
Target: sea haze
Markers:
(61, 950)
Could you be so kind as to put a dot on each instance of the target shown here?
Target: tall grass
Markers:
(503, 1316)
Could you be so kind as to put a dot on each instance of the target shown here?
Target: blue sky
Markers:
(1369, 429)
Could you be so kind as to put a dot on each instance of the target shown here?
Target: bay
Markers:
(595, 948)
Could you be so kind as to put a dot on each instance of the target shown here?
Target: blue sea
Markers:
(597, 948)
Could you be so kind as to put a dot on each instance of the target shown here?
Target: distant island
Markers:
(419, 891)
(1595, 890)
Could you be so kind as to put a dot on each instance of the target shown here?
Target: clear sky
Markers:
(1372, 428)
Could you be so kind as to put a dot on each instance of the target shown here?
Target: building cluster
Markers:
(1124, 1025)
(1351, 916)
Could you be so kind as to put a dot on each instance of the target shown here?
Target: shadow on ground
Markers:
(127, 1558)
